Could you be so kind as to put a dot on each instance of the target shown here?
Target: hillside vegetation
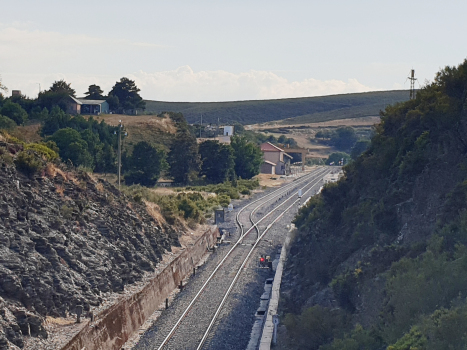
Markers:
(380, 258)
(295, 110)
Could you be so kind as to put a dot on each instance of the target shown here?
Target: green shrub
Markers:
(316, 326)
(15, 112)
(29, 162)
(224, 200)
(5, 156)
(358, 339)
(244, 190)
(417, 287)
(66, 211)
(43, 150)
(7, 123)
(189, 202)
(189, 209)
(13, 139)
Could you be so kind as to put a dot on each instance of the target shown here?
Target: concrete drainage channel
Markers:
(264, 329)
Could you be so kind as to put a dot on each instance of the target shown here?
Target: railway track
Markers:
(201, 308)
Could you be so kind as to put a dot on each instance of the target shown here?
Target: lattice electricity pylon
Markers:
(412, 84)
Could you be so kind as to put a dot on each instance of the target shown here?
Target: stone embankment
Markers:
(67, 240)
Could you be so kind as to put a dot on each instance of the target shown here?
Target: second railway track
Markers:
(192, 319)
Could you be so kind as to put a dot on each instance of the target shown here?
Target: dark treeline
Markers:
(123, 98)
(85, 142)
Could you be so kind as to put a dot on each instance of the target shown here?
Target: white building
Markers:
(228, 130)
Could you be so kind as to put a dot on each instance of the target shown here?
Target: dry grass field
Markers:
(150, 128)
(304, 133)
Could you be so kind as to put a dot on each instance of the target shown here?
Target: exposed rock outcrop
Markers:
(65, 239)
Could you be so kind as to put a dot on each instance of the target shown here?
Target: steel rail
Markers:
(321, 171)
(245, 261)
(281, 191)
(203, 287)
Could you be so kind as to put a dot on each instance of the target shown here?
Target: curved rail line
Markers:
(272, 196)
(247, 258)
(281, 191)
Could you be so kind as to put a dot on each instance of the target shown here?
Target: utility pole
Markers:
(412, 84)
(119, 151)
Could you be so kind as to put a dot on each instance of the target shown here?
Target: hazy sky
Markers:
(201, 50)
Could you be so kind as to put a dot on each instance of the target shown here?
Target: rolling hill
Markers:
(293, 110)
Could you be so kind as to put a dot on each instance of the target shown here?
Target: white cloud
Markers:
(32, 57)
(183, 84)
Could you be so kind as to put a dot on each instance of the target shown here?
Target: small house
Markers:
(277, 156)
(89, 107)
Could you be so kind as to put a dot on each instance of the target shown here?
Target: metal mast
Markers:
(412, 84)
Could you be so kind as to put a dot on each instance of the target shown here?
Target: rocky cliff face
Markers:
(64, 240)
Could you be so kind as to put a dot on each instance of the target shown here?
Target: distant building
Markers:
(228, 130)
(90, 107)
(15, 93)
(277, 156)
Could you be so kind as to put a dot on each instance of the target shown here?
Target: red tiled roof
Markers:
(269, 147)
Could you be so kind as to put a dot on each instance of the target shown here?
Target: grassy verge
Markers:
(193, 204)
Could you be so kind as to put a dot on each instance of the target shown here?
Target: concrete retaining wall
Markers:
(112, 328)
(268, 329)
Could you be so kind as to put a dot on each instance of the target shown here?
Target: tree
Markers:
(127, 93)
(106, 160)
(248, 157)
(113, 102)
(58, 95)
(146, 164)
(61, 86)
(344, 138)
(323, 134)
(183, 158)
(72, 147)
(14, 112)
(26, 103)
(359, 147)
(217, 161)
(336, 157)
(6, 123)
(55, 120)
(2, 88)
(38, 113)
(50, 99)
(94, 93)
(95, 145)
